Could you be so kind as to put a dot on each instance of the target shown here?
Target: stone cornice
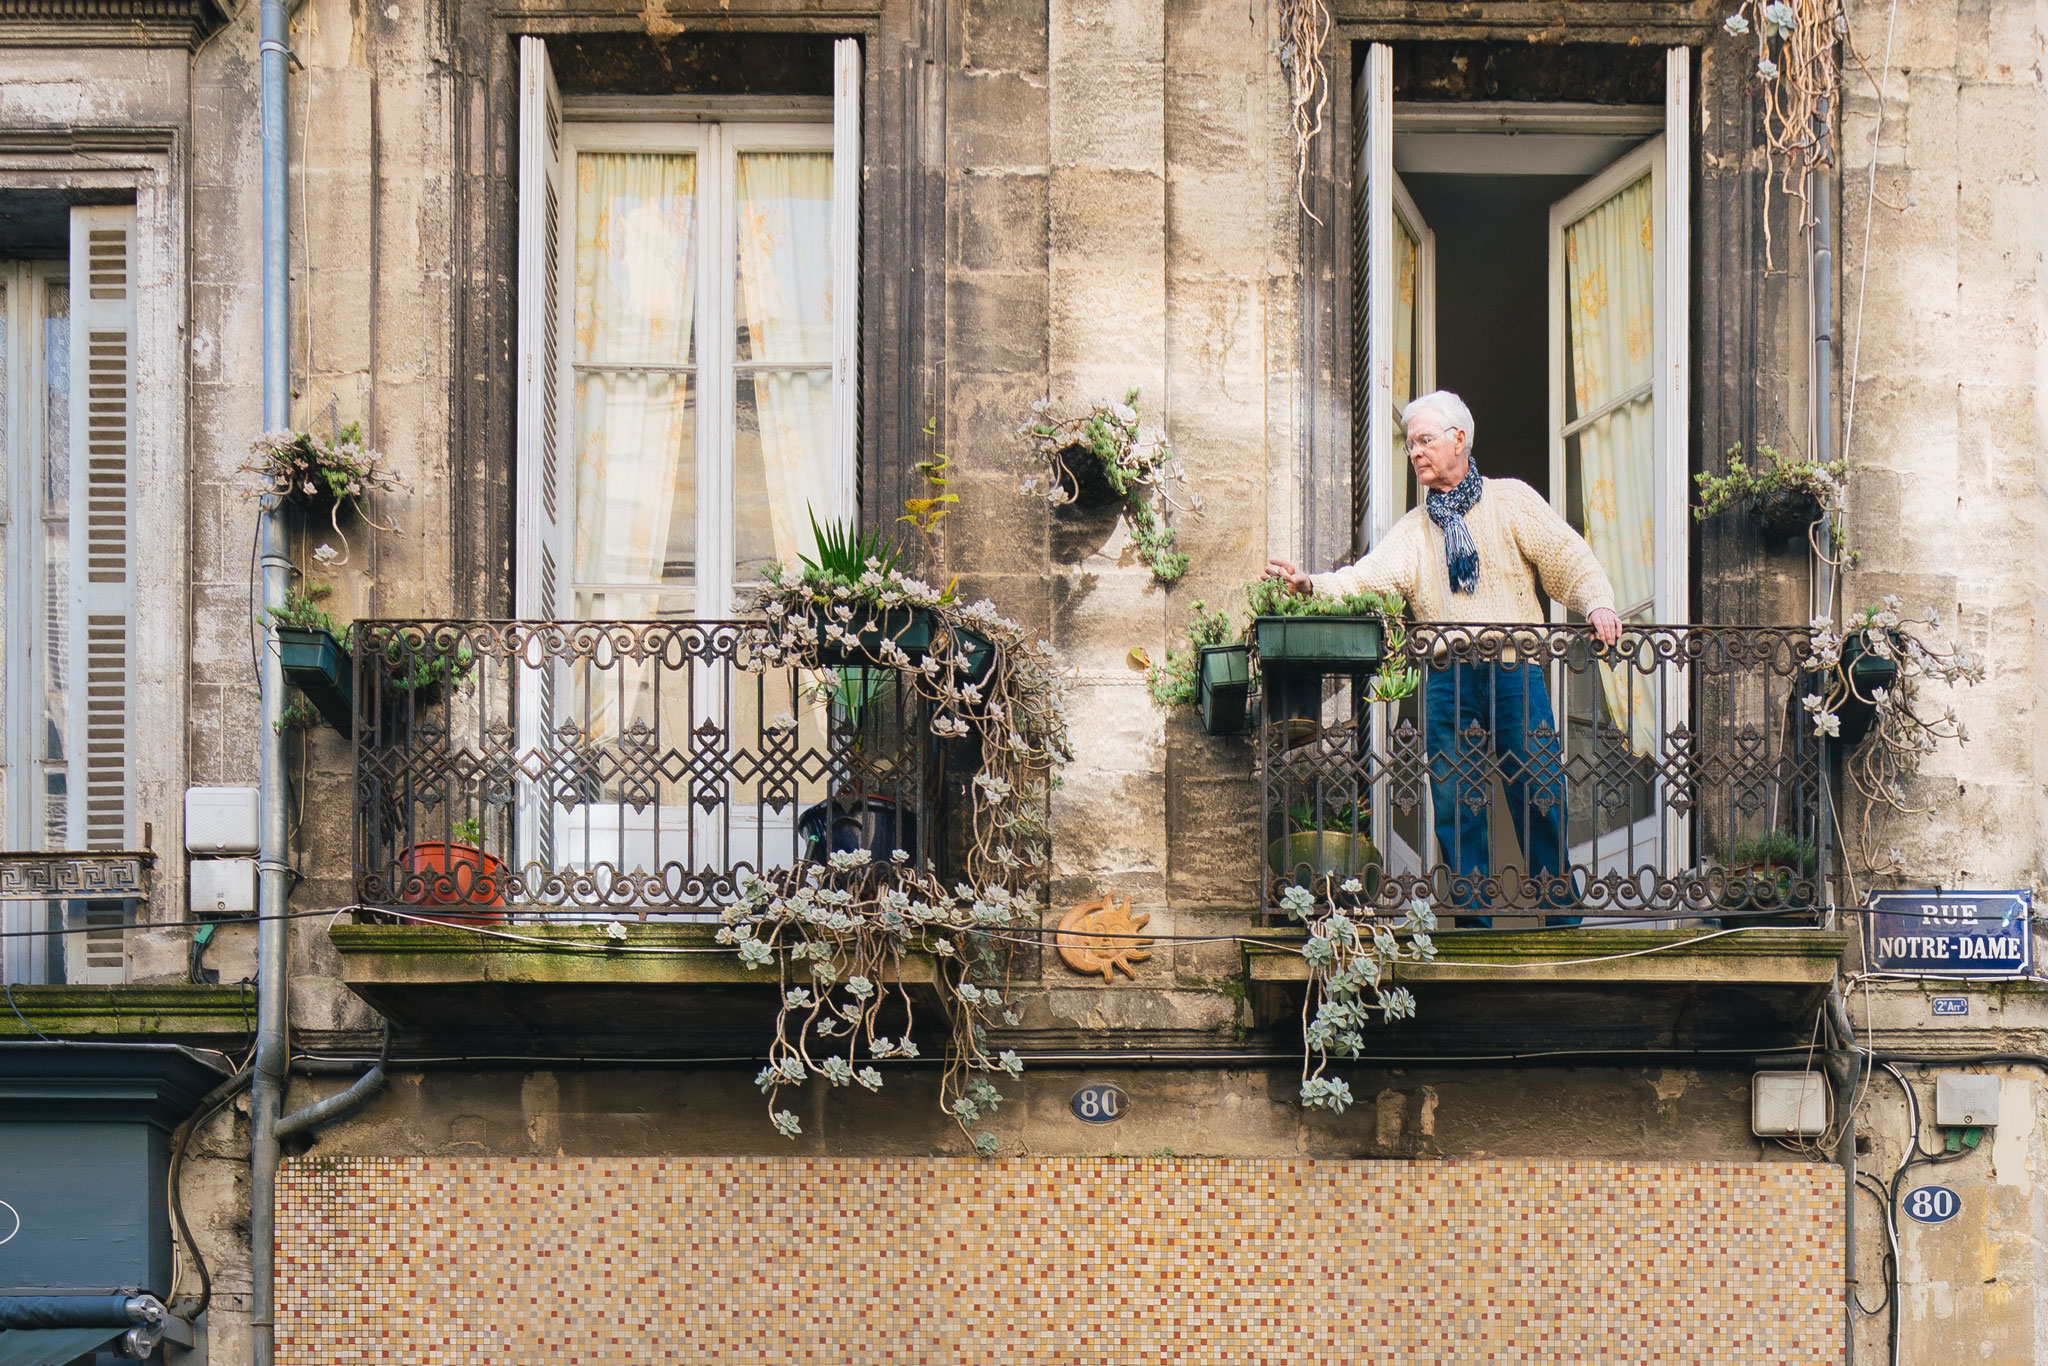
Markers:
(108, 23)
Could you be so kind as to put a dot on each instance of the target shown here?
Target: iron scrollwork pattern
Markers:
(613, 767)
(1656, 762)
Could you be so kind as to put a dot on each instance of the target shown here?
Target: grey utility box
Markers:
(1965, 1100)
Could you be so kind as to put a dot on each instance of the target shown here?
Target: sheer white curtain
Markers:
(636, 230)
(784, 340)
(1610, 303)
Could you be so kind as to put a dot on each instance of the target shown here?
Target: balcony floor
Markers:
(1495, 994)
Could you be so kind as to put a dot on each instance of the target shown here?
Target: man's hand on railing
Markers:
(1277, 568)
(1605, 624)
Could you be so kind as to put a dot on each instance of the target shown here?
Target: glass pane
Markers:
(636, 235)
(1610, 299)
(636, 480)
(782, 465)
(1613, 489)
(55, 682)
(784, 299)
(1405, 250)
(6, 407)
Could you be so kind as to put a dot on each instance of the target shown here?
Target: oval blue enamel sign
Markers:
(1932, 1204)
(1100, 1103)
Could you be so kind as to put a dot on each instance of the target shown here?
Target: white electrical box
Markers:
(1965, 1100)
(222, 886)
(1788, 1104)
(221, 821)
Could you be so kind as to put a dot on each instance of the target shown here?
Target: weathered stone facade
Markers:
(1075, 198)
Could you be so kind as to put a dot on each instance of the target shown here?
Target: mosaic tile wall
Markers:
(765, 1260)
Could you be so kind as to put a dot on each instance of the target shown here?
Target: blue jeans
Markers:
(1483, 719)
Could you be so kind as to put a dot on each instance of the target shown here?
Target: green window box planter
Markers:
(317, 666)
(980, 652)
(1223, 685)
(909, 627)
(1320, 645)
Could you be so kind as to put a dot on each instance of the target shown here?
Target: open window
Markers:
(1533, 257)
(689, 296)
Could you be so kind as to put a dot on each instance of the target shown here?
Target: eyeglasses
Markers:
(1427, 439)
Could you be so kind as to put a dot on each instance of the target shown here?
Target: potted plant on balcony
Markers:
(323, 477)
(423, 665)
(457, 873)
(1325, 850)
(1315, 634)
(1784, 496)
(1213, 673)
(1762, 869)
(841, 578)
(315, 650)
(1105, 456)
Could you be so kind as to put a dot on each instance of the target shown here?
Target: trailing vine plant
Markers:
(324, 476)
(1903, 729)
(1109, 448)
(1304, 27)
(1350, 966)
(1798, 47)
(1783, 494)
(841, 931)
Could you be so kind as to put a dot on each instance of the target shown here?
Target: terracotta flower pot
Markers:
(458, 875)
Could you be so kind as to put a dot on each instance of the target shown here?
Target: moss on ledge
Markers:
(160, 1013)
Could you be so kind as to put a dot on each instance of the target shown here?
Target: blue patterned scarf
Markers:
(1448, 511)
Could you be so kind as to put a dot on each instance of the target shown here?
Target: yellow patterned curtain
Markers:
(636, 229)
(1610, 304)
(783, 446)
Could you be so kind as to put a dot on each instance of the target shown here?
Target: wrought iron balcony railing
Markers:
(622, 768)
(1535, 772)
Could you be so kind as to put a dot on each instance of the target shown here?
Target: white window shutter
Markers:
(846, 167)
(538, 583)
(102, 568)
(538, 586)
(101, 778)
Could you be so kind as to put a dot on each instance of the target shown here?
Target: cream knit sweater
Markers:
(1516, 532)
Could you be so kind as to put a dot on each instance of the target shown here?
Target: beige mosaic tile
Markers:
(771, 1260)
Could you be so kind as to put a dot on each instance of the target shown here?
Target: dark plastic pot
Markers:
(1081, 474)
(1319, 645)
(317, 666)
(845, 825)
(1785, 513)
(980, 652)
(909, 627)
(1867, 674)
(1223, 685)
(458, 875)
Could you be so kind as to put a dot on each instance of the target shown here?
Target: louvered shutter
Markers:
(538, 581)
(101, 777)
(1361, 313)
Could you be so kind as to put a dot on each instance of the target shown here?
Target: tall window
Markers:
(688, 300)
(66, 657)
(688, 305)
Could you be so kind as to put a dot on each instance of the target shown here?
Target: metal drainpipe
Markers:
(272, 933)
(1845, 1154)
(1822, 362)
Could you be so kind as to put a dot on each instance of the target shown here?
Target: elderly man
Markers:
(1473, 553)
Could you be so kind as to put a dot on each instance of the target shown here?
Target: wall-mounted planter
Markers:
(317, 665)
(1785, 513)
(1223, 685)
(1319, 645)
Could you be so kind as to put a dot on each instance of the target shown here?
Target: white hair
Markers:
(1449, 409)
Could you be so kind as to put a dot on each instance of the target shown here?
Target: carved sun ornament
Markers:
(1102, 936)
